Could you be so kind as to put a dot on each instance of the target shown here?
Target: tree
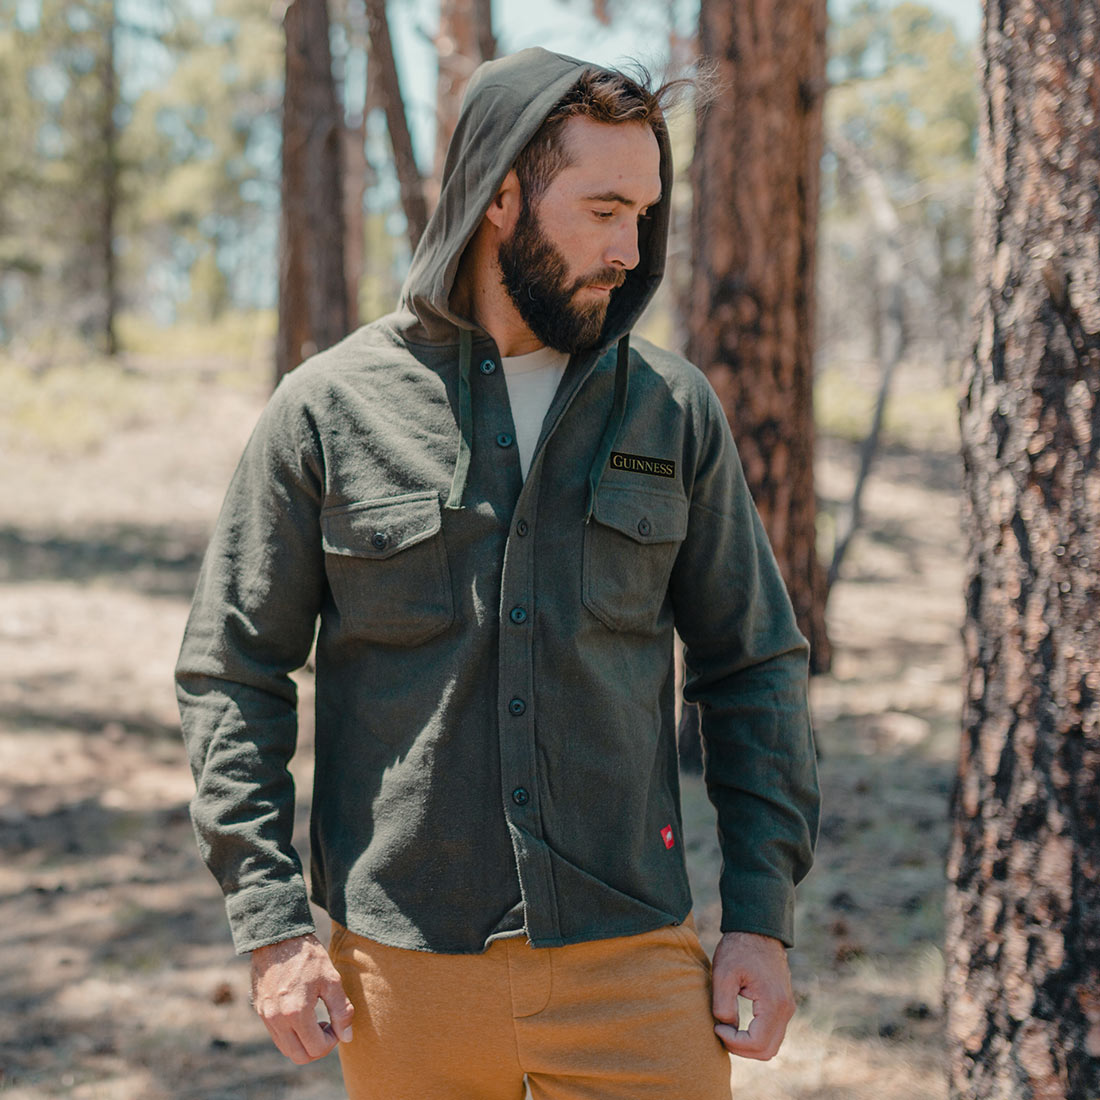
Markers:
(902, 109)
(67, 56)
(208, 151)
(313, 308)
(1023, 979)
(755, 177)
(389, 87)
(465, 39)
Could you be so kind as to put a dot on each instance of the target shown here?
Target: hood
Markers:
(506, 102)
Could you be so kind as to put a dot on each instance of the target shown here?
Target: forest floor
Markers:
(117, 977)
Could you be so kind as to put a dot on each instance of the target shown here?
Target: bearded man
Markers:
(497, 506)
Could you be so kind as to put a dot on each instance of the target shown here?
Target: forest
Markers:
(885, 258)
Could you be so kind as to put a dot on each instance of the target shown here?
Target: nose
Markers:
(622, 251)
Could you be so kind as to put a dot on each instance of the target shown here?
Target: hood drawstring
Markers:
(465, 419)
(614, 423)
(466, 422)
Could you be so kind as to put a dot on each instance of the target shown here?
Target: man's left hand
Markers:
(754, 967)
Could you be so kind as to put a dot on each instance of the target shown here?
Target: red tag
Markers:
(666, 836)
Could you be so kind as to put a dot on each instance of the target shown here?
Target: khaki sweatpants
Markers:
(618, 1019)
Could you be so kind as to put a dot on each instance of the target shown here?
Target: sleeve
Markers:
(747, 668)
(251, 624)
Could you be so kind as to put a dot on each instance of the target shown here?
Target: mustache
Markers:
(613, 277)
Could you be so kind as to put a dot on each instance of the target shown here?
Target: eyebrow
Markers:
(614, 196)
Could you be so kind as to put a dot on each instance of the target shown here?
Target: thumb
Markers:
(340, 1010)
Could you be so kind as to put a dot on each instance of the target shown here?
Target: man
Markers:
(497, 509)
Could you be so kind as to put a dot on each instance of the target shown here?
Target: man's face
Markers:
(567, 254)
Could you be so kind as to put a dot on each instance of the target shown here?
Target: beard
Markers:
(536, 276)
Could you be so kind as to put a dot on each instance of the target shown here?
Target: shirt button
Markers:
(522, 528)
(504, 440)
(517, 707)
(644, 526)
(518, 615)
(488, 366)
(379, 540)
(520, 796)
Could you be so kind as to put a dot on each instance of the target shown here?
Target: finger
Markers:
(312, 1035)
(724, 1003)
(287, 1043)
(340, 1010)
(761, 1040)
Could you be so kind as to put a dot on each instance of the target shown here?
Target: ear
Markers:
(504, 210)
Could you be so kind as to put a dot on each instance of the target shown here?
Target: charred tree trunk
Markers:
(755, 175)
(313, 312)
(1023, 979)
(408, 175)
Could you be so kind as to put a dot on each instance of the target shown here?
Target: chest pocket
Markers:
(629, 547)
(387, 567)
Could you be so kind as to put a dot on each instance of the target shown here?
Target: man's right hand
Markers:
(288, 979)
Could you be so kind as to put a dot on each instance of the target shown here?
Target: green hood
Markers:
(506, 102)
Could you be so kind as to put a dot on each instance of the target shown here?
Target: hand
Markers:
(756, 968)
(288, 979)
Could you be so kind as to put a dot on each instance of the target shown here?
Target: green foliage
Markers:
(209, 138)
(904, 94)
(147, 132)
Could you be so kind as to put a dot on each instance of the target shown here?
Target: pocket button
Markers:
(379, 540)
(644, 526)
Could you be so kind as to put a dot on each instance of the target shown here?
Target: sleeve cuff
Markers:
(758, 903)
(267, 914)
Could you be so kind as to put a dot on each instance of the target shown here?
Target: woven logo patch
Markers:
(667, 837)
(639, 464)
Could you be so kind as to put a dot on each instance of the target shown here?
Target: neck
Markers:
(479, 294)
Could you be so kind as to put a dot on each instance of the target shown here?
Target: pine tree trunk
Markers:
(755, 175)
(312, 292)
(462, 37)
(409, 180)
(1023, 980)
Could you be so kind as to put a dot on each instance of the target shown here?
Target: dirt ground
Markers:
(117, 977)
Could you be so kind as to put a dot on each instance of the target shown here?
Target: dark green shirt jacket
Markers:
(495, 740)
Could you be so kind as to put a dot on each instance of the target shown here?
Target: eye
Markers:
(604, 215)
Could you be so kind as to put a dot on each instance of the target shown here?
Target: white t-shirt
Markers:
(532, 382)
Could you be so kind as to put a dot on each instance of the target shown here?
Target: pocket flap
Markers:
(642, 515)
(380, 528)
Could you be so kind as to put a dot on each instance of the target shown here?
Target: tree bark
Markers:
(408, 175)
(1023, 937)
(313, 312)
(756, 179)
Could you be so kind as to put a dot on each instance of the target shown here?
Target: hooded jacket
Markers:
(495, 745)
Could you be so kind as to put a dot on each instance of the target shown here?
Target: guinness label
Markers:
(639, 464)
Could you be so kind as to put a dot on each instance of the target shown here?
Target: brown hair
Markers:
(603, 95)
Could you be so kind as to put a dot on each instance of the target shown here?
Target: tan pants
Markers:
(619, 1019)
